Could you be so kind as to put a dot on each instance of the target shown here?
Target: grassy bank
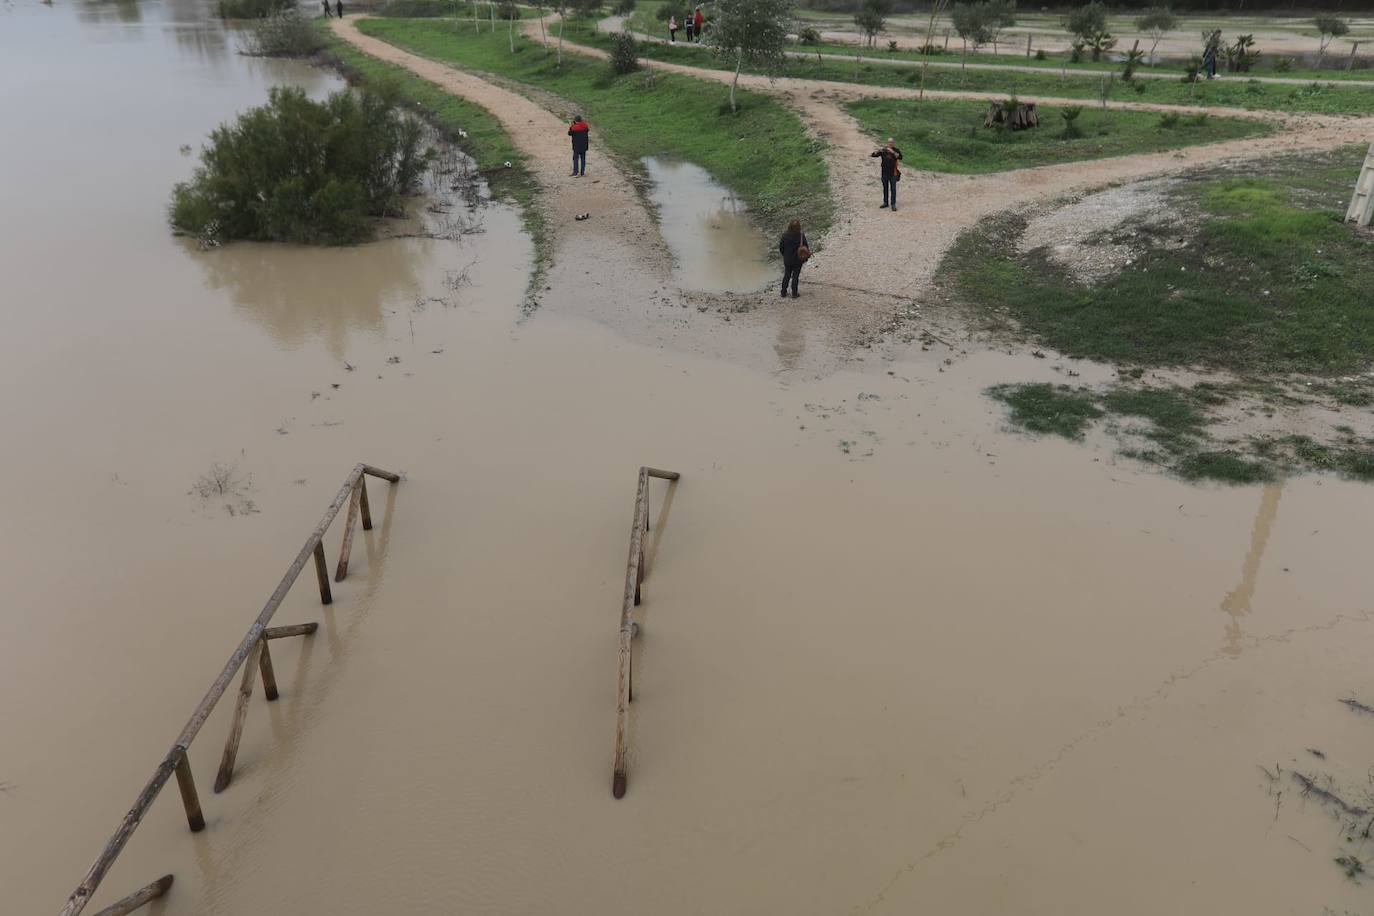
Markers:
(948, 136)
(762, 153)
(1323, 97)
(485, 142)
(1251, 274)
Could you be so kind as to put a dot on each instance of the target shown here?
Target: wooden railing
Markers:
(634, 580)
(253, 657)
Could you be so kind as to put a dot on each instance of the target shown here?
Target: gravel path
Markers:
(895, 254)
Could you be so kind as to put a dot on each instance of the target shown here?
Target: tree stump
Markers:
(1021, 116)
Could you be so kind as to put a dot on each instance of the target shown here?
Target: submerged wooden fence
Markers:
(634, 579)
(253, 657)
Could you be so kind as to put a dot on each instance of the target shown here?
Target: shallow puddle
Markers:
(716, 246)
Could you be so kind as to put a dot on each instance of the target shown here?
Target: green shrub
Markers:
(1169, 120)
(297, 170)
(1040, 54)
(252, 9)
(809, 36)
(624, 54)
(284, 34)
(624, 7)
(1070, 115)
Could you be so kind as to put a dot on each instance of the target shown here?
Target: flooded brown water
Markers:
(716, 246)
(895, 658)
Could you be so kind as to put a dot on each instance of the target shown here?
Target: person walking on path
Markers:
(326, 8)
(338, 8)
(672, 29)
(699, 21)
(580, 133)
(795, 249)
(1210, 53)
(891, 172)
(687, 24)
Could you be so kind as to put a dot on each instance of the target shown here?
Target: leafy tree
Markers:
(971, 22)
(1241, 56)
(871, 18)
(624, 54)
(1001, 14)
(753, 32)
(1330, 28)
(1088, 24)
(1155, 22)
(297, 170)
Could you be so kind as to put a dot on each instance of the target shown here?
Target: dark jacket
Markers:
(889, 157)
(581, 135)
(788, 245)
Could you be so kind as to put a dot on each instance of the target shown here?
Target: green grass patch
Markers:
(1271, 281)
(1226, 466)
(1328, 97)
(949, 136)
(762, 153)
(1057, 410)
(486, 142)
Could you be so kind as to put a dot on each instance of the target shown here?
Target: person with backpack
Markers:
(581, 137)
(891, 172)
(795, 251)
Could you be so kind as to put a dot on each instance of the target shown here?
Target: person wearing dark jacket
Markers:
(338, 8)
(581, 136)
(791, 242)
(890, 156)
(326, 9)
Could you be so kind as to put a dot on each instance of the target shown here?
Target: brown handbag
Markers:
(803, 251)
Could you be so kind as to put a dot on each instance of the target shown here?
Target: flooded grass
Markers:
(949, 136)
(1057, 410)
(1265, 280)
(471, 128)
(763, 153)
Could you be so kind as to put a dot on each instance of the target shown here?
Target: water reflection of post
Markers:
(1237, 603)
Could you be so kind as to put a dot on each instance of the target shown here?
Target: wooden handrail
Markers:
(176, 761)
(634, 582)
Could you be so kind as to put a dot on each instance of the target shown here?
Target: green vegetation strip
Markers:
(486, 142)
(762, 153)
(1317, 97)
(1254, 275)
(1258, 275)
(949, 136)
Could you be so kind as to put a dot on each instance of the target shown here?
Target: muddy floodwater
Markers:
(715, 245)
(895, 658)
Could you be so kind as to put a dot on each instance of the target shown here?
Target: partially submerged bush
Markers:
(624, 54)
(297, 170)
(252, 9)
(283, 34)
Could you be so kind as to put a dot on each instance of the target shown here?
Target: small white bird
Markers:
(462, 133)
(508, 165)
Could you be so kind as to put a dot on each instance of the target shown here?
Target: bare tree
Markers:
(752, 31)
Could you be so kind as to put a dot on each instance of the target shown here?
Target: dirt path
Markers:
(629, 243)
(896, 254)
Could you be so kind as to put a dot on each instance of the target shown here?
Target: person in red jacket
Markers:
(699, 20)
(581, 136)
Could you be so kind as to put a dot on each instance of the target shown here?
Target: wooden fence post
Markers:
(362, 504)
(269, 677)
(138, 898)
(322, 573)
(342, 569)
(231, 746)
(190, 799)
